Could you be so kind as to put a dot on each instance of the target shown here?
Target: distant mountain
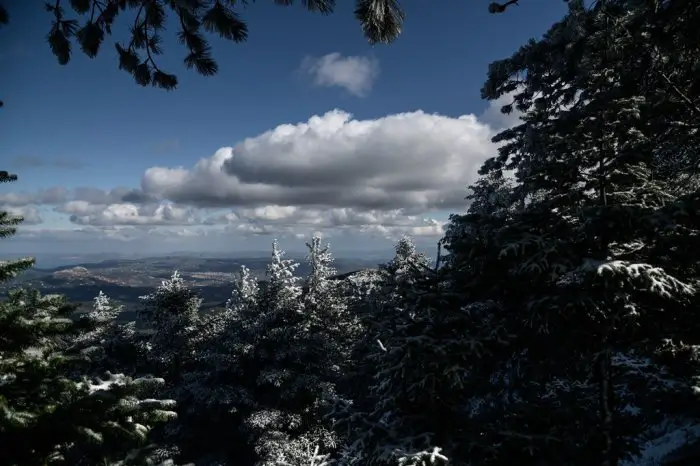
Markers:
(124, 280)
(50, 260)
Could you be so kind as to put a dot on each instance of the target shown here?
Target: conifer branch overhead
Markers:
(381, 22)
(4, 16)
(496, 7)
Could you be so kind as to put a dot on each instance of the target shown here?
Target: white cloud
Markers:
(83, 213)
(357, 180)
(355, 74)
(414, 161)
(304, 221)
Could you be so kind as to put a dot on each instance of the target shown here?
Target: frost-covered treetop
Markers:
(245, 291)
(320, 259)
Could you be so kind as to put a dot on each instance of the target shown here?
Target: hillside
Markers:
(124, 280)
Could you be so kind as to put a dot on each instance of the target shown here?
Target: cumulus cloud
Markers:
(415, 161)
(353, 73)
(303, 221)
(84, 213)
(353, 178)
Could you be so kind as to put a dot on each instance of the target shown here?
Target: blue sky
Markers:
(305, 128)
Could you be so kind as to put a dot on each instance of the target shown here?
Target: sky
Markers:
(306, 129)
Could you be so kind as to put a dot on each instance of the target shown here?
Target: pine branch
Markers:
(495, 7)
(682, 95)
(381, 21)
(4, 16)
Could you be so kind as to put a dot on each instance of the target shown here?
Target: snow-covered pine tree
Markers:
(375, 299)
(48, 414)
(282, 288)
(244, 295)
(320, 262)
(405, 267)
(110, 345)
(171, 315)
(279, 310)
(428, 364)
(586, 287)
(326, 309)
(217, 388)
(286, 427)
(375, 419)
(245, 370)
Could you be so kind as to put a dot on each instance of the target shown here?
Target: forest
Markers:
(557, 324)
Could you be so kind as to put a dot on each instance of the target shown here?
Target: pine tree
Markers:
(272, 364)
(8, 227)
(283, 427)
(282, 290)
(328, 321)
(171, 312)
(245, 292)
(320, 261)
(575, 262)
(216, 386)
(50, 409)
(110, 344)
(247, 380)
(427, 358)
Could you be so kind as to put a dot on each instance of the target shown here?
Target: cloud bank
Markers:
(414, 161)
(345, 177)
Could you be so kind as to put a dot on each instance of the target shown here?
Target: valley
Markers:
(125, 280)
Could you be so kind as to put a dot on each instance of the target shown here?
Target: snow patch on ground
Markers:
(672, 437)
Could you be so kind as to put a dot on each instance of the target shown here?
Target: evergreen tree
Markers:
(272, 363)
(245, 292)
(8, 227)
(50, 410)
(428, 367)
(109, 345)
(171, 314)
(248, 379)
(282, 289)
(216, 388)
(574, 262)
(328, 321)
(283, 427)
